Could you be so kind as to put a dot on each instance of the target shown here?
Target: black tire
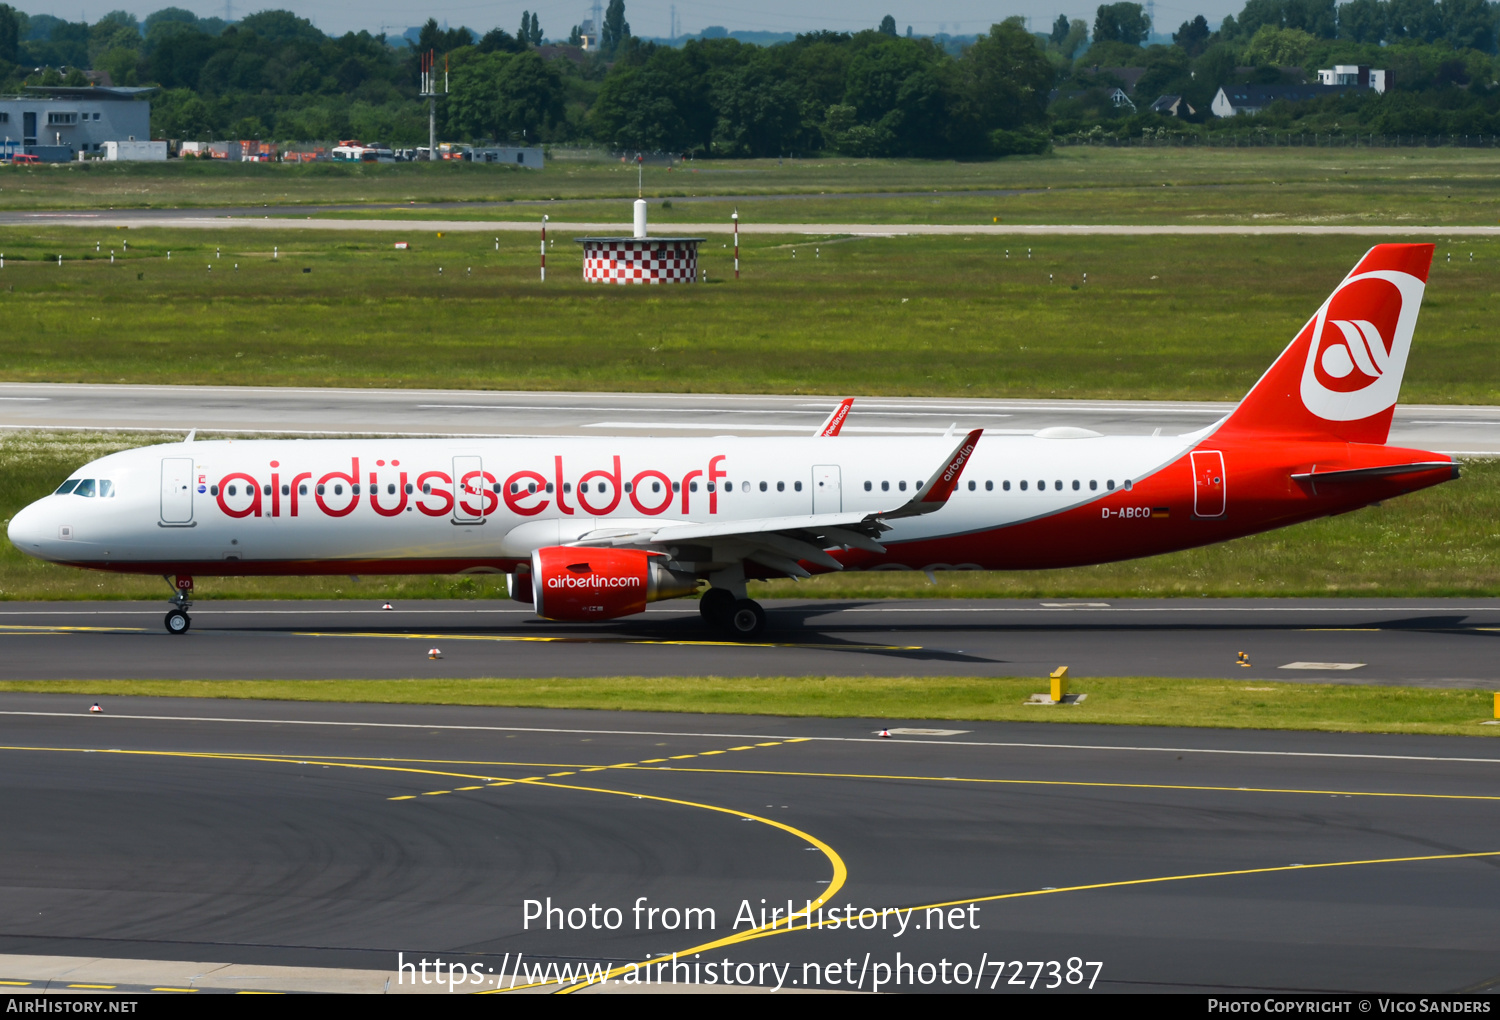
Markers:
(716, 605)
(748, 620)
(178, 622)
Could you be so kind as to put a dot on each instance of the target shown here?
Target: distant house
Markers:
(1116, 96)
(1173, 106)
(1358, 75)
(1233, 100)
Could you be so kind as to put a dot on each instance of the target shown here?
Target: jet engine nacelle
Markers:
(579, 583)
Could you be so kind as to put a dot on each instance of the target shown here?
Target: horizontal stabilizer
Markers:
(1381, 471)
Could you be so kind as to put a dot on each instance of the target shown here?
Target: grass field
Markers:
(1188, 318)
(1441, 541)
(1140, 701)
(1084, 185)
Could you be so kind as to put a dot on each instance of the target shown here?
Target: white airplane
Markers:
(596, 528)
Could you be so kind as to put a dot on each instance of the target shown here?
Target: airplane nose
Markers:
(27, 529)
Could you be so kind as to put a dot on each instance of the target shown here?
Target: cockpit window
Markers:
(67, 487)
(106, 488)
(85, 488)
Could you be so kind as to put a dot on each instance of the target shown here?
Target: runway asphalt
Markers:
(1410, 642)
(339, 836)
(1473, 430)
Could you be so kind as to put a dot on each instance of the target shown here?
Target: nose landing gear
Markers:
(177, 620)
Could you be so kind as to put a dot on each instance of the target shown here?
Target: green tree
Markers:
(281, 26)
(1362, 21)
(1004, 79)
(1078, 34)
(1059, 30)
(887, 26)
(1121, 22)
(1192, 37)
(1168, 71)
(1468, 24)
(615, 29)
(168, 15)
(759, 111)
(1414, 21)
(536, 30)
(1279, 47)
(10, 34)
(498, 40)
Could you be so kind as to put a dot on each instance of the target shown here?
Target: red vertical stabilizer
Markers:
(1342, 375)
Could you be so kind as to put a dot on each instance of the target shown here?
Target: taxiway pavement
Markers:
(1412, 642)
(339, 836)
(285, 220)
(1472, 430)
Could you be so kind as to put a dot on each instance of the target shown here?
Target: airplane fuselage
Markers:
(422, 506)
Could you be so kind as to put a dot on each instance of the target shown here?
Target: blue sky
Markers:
(651, 17)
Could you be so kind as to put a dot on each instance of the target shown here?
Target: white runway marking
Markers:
(1323, 665)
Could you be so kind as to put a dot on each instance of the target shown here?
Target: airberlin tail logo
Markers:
(1360, 340)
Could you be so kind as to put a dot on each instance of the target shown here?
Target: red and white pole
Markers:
(736, 218)
(544, 249)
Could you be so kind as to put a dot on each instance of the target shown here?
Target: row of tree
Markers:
(877, 93)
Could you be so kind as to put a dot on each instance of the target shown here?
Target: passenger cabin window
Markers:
(781, 486)
(302, 490)
(901, 485)
(1023, 485)
(1006, 485)
(868, 486)
(797, 486)
(1110, 485)
(989, 486)
(973, 485)
(1093, 485)
(885, 486)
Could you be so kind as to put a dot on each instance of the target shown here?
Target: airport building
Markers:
(55, 123)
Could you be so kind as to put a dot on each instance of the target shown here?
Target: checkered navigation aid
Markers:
(640, 261)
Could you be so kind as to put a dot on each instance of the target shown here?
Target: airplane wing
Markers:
(781, 542)
(835, 421)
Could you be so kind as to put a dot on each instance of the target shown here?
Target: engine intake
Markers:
(579, 583)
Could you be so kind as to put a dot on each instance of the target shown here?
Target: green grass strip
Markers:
(1137, 701)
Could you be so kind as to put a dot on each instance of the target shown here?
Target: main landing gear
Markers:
(177, 620)
(740, 617)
